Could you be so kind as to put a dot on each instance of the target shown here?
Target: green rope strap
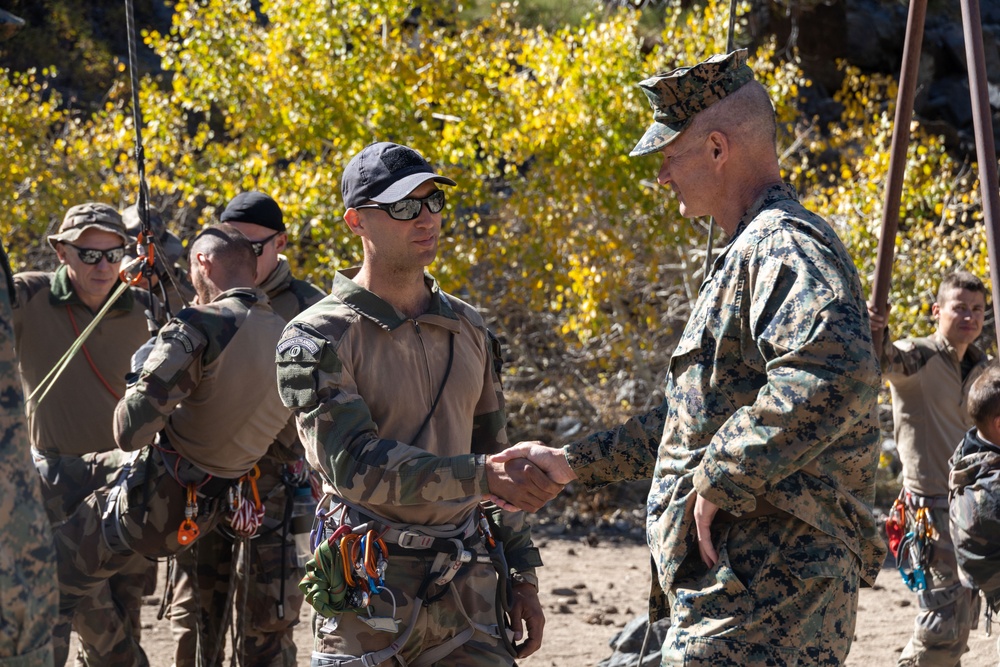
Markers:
(324, 585)
(63, 362)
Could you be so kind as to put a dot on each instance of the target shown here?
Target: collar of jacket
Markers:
(771, 195)
(974, 354)
(383, 313)
(280, 278)
(61, 293)
(249, 294)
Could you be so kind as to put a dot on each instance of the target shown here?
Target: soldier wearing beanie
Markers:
(267, 602)
(74, 422)
(763, 453)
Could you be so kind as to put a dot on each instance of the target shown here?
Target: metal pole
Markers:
(897, 160)
(986, 156)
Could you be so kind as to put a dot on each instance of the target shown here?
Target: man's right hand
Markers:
(527, 476)
(879, 321)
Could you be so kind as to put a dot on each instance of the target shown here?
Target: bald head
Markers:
(221, 258)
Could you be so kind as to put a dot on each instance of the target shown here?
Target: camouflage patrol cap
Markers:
(84, 216)
(678, 95)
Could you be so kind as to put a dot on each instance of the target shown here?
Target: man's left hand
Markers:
(704, 512)
(526, 612)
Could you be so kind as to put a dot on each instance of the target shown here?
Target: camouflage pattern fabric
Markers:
(202, 575)
(770, 394)
(807, 589)
(269, 611)
(948, 610)
(975, 514)
(677, 96)
(28, 592)
(469, 597)
(361, 378)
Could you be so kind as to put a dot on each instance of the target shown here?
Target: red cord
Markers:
(93, 367)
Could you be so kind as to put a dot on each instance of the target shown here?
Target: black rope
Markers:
(142, 205)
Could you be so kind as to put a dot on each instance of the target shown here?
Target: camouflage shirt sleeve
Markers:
(341, 437)
(170, 373)
(802, 332)
(626, 452)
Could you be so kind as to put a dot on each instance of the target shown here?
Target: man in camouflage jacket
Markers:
(398, 400)
(204, 576)
(759, 515)
(72, 425)
(201, 409)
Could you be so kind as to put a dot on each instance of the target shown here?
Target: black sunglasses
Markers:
(408, 209)
(93, 255)
(258, 246)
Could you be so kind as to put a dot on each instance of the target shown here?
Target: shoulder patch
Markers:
(295, 344)
(178, 345)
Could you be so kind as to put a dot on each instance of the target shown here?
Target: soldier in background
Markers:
(929, 379)
(206, 583)
(200, 410)
(764, 450)
(75, 419)
(28, 591)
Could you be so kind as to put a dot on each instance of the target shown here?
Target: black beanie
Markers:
(256, 208)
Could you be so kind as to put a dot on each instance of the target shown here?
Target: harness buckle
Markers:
(409, 539)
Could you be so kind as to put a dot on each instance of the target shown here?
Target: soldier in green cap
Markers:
(764, 451)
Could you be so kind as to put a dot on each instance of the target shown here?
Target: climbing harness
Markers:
(352, 552)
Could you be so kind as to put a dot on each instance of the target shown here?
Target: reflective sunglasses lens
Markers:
(258, 248)
(115, 254)
(88, 256)
(435, 201)
(405, 209)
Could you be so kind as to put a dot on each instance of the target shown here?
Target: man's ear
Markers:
(281, 242)
(935, 310)
(354, 220)
(718, 144)
(61, 253)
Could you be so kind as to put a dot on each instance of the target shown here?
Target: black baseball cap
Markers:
(384, 172)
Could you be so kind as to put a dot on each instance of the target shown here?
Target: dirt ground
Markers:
(591, 588)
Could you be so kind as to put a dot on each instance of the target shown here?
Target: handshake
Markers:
(527, 475)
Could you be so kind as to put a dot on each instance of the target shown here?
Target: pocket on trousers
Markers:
(827, 557)
(718, 652)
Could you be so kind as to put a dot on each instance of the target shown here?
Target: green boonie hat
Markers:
(678, 95)
(84, 216)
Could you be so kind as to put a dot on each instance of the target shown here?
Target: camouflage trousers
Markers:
(782, 594)
(948, 611)
(66, 481)
(267, 603)
(28, 591)
(469, 600)
(151, 509)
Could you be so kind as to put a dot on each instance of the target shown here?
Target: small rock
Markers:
(611, 610)
(571, 551)
(594, 619)
(563, 609)
(903, 603)
(564, 592)
(580, 585)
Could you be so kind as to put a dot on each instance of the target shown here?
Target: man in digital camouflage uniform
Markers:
(203, 583)
(74, 421)
(201, 409)
(759, 514)
(398, 401)
(28, 592)
(929, 379)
